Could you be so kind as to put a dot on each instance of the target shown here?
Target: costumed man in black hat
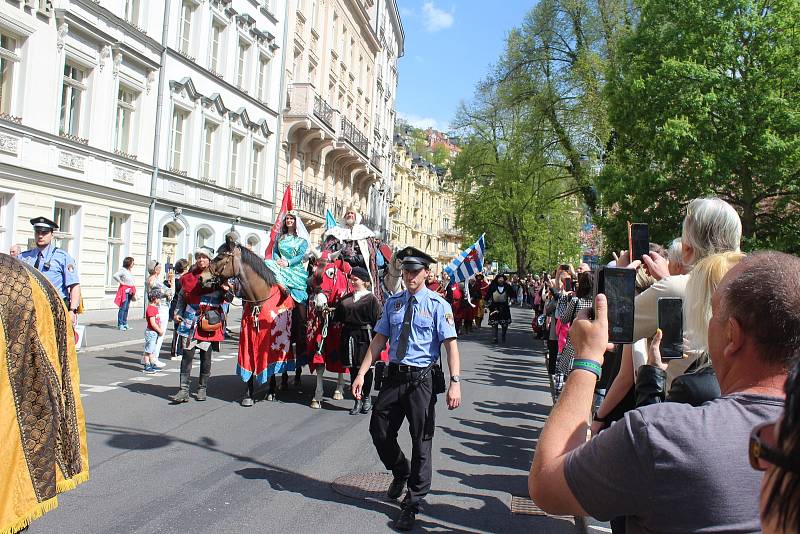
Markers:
(415, 322)
(55, 264)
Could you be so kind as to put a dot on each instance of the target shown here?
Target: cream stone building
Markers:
(338, 122)
(422, 211)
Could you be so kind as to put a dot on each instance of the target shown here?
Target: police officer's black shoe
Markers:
(406, 519)
(396, 488)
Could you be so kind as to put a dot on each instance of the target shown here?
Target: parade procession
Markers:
(324, 266)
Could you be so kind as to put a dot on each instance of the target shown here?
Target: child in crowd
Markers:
(153, 332)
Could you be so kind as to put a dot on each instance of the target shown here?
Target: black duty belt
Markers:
(399, 368)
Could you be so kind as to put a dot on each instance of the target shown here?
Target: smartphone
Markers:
(619, 287)
(568, 284)
(638, 240)
(670, 321)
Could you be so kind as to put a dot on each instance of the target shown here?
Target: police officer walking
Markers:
(55, 264)
(415, 322)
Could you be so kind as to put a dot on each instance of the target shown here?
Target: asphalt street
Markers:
(215, 466)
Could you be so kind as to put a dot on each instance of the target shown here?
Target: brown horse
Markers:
(263, 350)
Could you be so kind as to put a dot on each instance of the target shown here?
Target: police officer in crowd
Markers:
(56, 264)
(415, 322)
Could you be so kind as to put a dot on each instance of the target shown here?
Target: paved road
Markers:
(218, 467)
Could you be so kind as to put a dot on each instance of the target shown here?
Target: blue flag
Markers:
(330, 221)
(468, 263)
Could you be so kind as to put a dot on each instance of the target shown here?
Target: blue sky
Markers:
(450, 46)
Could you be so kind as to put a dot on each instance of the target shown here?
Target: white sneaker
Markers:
(176, 358)
(159, 364)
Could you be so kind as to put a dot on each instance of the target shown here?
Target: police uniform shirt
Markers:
(56, 265)
(431, 324)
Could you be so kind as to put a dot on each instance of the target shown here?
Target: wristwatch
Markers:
(455, 378)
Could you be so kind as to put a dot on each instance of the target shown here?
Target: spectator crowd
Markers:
(705, 442)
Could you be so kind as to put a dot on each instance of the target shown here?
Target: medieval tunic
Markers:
(294, 276)
(358, 313)
(497, 301)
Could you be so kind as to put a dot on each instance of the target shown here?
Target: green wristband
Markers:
(588, 365)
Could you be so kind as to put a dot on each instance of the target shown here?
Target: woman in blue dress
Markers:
(287, 264)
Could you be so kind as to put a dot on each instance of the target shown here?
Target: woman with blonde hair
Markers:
(697, 383)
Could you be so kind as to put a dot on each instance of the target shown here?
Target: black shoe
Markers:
(356, 408)
(367, 406)
(406, 519)
(396, 488)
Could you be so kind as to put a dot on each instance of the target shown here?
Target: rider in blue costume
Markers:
(287, 264)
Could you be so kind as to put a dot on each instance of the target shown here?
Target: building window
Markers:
(126, 106)
(179, 118)
(205, 238)
(65, 216)
(209, 150)
(185, 37)
(8, 61)
(255, 169)
(263, 79)
(132, 11)
(236, 146)
(215, 61)
(241, 65)
(117, 223)
(5, 202)
(72, 91)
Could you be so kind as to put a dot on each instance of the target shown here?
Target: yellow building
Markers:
(422, 211)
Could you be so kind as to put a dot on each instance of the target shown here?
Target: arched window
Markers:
(205, 238)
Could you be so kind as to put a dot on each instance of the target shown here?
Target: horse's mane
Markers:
(252, 260)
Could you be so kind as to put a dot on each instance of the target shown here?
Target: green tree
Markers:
(704, 100)
(440, 155)
(503, 185)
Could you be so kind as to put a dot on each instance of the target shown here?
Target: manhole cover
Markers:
(369, 486)
(525, 506)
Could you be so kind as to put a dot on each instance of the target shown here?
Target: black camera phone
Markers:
(670, 321)
(619, 287)
(638, 240)
(568, 285)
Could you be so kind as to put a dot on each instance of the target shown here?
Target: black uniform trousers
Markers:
(400, 398)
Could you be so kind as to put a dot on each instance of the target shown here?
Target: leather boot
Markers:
(356, 408)
(202, 384)
(367, 405)
(183, 394)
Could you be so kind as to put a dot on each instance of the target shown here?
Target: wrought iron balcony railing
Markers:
(353, 136)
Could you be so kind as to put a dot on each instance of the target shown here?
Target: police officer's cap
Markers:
(413, 259)
(43, 223)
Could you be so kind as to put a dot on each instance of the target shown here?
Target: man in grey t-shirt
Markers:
(673, 467)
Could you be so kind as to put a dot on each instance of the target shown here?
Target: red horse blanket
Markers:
(264, 343)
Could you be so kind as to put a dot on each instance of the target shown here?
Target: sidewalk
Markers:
(102, 333)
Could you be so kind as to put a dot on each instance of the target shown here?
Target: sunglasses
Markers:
(763, 451)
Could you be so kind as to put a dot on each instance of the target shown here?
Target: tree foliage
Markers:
(704, 100)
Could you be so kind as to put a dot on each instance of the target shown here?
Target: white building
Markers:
(221, 90)
(96, 135)
(77, 105)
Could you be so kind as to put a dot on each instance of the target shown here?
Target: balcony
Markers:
(375, 159)
(449, 233)
(305, 105)
(352, 135)
(323, 111)
(309, 200)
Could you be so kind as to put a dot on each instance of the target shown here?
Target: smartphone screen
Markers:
(568, 284)
(670, 321)
(639, 240)
(619, 287)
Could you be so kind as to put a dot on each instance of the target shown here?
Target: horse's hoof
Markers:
(315, 404)
(337, 395)
(270, 396)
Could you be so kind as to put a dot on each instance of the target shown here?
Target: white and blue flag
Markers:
(468, 263)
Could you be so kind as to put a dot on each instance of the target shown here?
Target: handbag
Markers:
(211, 320)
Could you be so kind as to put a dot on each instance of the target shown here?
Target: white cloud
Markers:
(419, 122)
(406, 12)
(435, 18)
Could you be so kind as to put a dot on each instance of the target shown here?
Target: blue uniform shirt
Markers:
(431, 324)
(56, 265)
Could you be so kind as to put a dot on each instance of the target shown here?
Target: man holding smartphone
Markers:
(672, 467)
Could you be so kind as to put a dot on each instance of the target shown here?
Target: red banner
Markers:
(286, 206)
